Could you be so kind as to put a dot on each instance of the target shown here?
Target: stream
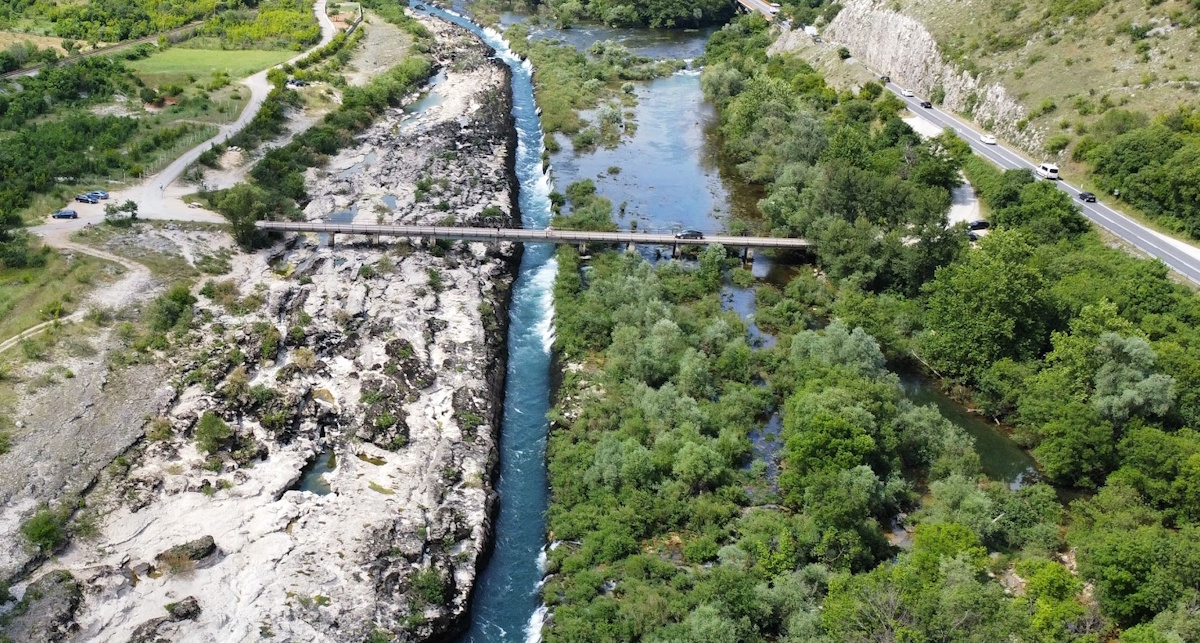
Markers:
(671, 176)
(506, 605)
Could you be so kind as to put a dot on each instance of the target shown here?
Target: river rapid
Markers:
(671, 176)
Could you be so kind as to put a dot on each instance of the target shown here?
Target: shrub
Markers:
(172, 308)
(47, 529)
(429, 586)
(212, 432)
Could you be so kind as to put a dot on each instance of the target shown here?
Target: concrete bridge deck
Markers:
(453, 233)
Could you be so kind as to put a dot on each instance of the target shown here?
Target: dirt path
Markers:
(136, 280)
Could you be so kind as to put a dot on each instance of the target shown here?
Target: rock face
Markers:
(898, 45)
(46, 613)
(382, 362)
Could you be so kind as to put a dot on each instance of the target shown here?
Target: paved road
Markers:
(1177, 255)
(762, 6)
(259, 88)
(522, 234)
(155, 197)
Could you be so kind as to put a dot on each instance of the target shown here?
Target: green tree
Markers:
(991, 306)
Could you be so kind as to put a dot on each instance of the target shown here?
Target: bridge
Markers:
(765, 7)
(454, 233)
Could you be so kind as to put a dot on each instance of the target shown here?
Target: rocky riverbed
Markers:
(388, 355)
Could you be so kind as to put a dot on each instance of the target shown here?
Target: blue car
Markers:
(99, 194)
(65, 214)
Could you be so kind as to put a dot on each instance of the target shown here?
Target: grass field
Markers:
(30, 296)
(174, 65)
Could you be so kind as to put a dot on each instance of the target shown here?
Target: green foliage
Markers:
(430, 586)
(47, 529)
(212, 433)
(648, 470)
(654, 13)
(172, 309)
(569, 80)
(589, 211)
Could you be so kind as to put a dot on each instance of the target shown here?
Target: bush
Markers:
(172, 308)
(429, 586)
(47, 529)
(212, 432)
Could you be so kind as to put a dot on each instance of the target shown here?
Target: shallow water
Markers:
(1001, 458)
(312, 476)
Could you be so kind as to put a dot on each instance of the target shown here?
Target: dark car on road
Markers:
(885, 79)
(926, 104)
(979, 224)
(689, 234)
(86, 198)
(1087, 197)
(65, 214)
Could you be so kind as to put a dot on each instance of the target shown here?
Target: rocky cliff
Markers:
(898, 45)
(376, 361)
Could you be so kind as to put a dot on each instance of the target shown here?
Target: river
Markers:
(671, 177)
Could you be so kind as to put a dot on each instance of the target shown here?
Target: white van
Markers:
(1047, 171)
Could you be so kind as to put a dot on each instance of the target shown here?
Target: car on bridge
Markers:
(689, 234)
(1087, 197)
(907, 93)
(926, 104)
(987, 139)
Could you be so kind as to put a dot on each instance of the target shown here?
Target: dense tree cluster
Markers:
(1152, 165)
(650, 13)
(842, 169)
(1091, 354)
(668, 532)
(285, 24)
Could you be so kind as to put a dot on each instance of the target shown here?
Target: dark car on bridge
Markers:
(689, 234)
(926, 104)
(1087, 197)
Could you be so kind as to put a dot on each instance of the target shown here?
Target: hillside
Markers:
(1064, 82)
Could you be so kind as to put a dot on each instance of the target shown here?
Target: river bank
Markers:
(389, 356)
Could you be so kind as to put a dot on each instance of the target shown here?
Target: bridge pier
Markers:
(631, 248)
(747, 255)
(331, 237)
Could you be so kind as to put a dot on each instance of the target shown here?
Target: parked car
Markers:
(86, 198)
(972, 235)
(99, 194)
(689, 234)
(1048, 171)
(988, 139)
(885, 79)
(926, 104)
(65, 214)
(1087, 197)
(979, 224)
(906, 93)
